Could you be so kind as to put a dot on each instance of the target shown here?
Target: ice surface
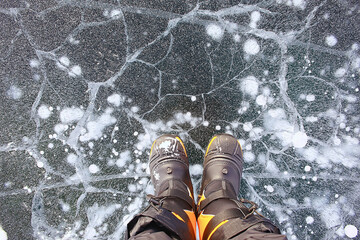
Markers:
(86, 86)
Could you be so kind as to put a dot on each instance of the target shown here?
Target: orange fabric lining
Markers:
(203, 221)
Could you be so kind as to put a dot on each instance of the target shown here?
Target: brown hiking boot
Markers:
(221, 215)
(172, 207)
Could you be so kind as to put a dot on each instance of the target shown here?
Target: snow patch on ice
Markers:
(94, 168)
(331, 40)
(351, 231)
(70, 115)
(261, 100)
(95, 127)
(249, 156)
(44, 112)
(75, 71)
(339, 73)
(249, 85)
(254, 18)
(115, 99)
(309, 220)
(64, 61)
(3, 234)
(34, 63)
(124, 158)
(14, 92)
(293, 3)
(299, 139)
(251, 46)
(269, 188)
(96, 216)
(310, 97)
(72, 159)
(215, 31)
(330, 215)
(135, 205)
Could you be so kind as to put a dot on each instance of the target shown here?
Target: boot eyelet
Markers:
(225, 171)
(168, 170)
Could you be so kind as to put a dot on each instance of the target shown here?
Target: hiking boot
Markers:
(172, 207)
(223, 165)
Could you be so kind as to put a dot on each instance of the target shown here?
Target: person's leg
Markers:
(170, 214)
(221, 215)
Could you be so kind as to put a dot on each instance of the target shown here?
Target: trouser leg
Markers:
(157, 222)
(231, 219)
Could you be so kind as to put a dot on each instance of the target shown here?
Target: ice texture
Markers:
(87, 86)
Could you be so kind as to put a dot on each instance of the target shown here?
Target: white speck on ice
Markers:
(299, 139)
(14, 92)
(193, 98)
(336, 141)
(310, 97)
(44, 112)
(3, 234)
(331, 40)
(40, 164)
(261, 100)
(251, 46)
(93, 168)
(70, 115)
(249, 85)
(214, 31)
(205, 123)
(351, 231)
(115, 99)
(309, 220)
(307, 168)
(217, 127)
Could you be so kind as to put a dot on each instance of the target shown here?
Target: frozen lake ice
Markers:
(86, 86)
